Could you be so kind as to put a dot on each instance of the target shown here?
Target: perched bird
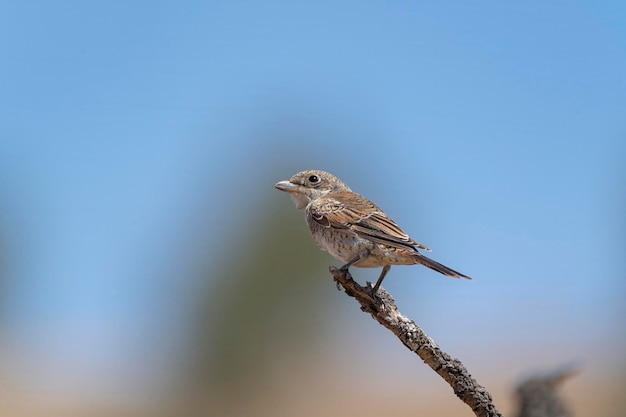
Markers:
(353, 229)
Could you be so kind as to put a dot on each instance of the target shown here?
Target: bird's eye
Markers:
(314, 179)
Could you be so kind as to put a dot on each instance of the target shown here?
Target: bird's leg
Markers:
(345, 271)
(386, 269)
(349, 264)
(361, 255)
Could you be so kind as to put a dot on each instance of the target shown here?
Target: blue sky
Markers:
(502, 123)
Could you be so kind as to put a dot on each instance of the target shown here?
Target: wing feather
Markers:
(348, 210)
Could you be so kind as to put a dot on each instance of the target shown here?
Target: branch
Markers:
(383, 309)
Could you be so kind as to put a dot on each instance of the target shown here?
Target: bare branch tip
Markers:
(381, 306)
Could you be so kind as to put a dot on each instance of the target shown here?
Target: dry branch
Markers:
(383, 309)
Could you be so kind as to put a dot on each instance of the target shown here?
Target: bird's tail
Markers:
(436, 266)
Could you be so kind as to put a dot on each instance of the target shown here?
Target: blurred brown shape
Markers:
(539, 396)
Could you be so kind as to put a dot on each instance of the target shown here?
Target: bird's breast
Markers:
(343, 244)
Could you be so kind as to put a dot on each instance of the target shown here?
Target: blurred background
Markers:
(148, 267)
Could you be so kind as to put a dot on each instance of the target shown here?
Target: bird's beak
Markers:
(286, 186)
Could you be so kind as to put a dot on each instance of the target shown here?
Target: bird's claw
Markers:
(373, 291)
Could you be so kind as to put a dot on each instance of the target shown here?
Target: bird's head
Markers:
(307, 186)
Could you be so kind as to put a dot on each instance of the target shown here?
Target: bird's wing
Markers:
(348, 210)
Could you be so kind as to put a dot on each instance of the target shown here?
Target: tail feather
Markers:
(442, 269)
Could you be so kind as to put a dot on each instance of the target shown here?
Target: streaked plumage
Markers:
(352, 228)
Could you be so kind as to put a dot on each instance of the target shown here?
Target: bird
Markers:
(353, 229)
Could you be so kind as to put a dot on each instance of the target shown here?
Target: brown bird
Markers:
(353, 229)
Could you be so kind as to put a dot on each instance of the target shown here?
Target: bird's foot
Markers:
(343, 271)
(373, 290)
